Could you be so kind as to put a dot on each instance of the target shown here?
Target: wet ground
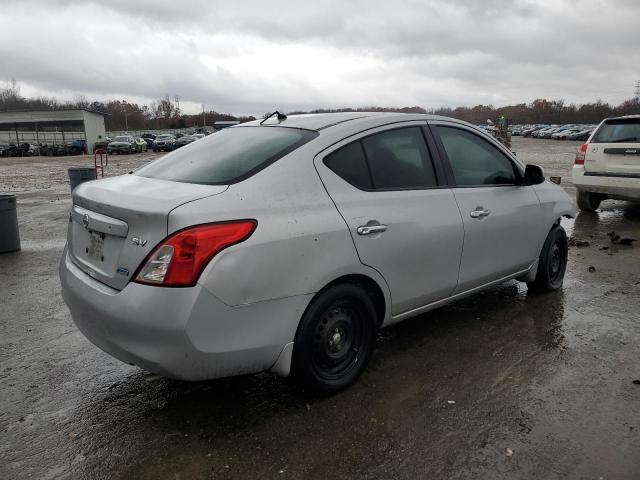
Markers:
(504, 385)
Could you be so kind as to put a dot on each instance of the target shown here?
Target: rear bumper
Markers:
(184, 333)
(627, 188)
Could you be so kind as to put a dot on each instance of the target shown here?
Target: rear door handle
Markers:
(480, 212)
(371, 229)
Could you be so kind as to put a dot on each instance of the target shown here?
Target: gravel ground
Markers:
(503, 385)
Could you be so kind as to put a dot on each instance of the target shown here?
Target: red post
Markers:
(101, 152)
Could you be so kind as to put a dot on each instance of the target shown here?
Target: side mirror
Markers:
(533, 175)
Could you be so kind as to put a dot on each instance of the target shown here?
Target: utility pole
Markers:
(126, 123)
(204, 119)
(637, 90)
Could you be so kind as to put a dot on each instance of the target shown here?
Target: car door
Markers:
(403, 219)
(501, 216)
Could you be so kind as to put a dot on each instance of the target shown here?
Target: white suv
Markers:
(608, 165)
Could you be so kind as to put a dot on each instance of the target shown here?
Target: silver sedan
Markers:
(285, 244)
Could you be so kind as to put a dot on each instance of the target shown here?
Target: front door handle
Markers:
(371, 229)
(480, 212)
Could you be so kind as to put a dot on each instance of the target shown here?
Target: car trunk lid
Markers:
(114, 223)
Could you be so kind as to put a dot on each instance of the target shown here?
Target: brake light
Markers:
(179, 260)
(580, 154)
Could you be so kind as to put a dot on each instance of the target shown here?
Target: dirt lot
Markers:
(550, 377)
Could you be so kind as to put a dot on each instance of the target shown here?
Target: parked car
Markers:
(527, 132)
(582, 135)
(141, 144)
(27, 150)
(184, 140)
(149, 142)
(198, 136)
(77, 147)
(10, 150)
(148, 135)
(548, 132)
(563, 134)
(608, 164)
(122, 144)
(541, 132)
(285, 245)
(164, 143)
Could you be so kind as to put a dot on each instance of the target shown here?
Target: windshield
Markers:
(163, 137)
(228, 156)
(619, 130)
(122, 139)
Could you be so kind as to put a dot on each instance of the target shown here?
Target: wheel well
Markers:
(371, 287)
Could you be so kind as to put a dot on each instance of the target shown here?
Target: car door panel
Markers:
(501, 243)
(418, 253)
(499, 217)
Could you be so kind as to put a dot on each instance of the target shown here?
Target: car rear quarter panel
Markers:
(301, 242)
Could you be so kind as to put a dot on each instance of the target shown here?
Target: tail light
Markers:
(580, 154)
(179, 260)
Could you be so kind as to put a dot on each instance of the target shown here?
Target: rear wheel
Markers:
(552, 263)
(587, 201)
(335, 339)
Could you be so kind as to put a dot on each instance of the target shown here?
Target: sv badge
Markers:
(138, 241)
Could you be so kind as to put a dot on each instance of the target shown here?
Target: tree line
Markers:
(539, 111)
(120, 114)
(164, 113)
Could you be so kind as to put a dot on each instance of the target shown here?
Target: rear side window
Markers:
(475, 161)
(228, 156)
(399, 159)
(350, 164)
(392, 160)
(620, 130)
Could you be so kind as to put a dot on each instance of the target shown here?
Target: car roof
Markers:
(320, 121)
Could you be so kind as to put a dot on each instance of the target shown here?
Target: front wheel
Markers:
(335, 339)
(552, 263)
(587, 201)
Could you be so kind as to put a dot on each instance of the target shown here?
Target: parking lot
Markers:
(503, 385)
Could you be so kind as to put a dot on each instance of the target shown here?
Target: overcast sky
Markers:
(254, 56)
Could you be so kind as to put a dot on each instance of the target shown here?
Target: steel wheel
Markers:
(552, 262)
(337, 341)
(335, 338)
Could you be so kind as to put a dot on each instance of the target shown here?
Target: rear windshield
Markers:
(620, 130)
(228, 156)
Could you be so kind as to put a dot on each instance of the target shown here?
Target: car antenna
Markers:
(280, 116)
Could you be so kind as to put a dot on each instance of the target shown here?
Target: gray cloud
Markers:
(247, 57)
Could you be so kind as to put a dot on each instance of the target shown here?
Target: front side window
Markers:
(475, 161)
(228, 156)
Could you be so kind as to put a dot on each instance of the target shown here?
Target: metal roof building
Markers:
(52, 126)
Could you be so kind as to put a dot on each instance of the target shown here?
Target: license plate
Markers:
(96, 243)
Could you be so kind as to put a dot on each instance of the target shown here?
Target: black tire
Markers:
(335, 339)
(587, 201)
(552, 263)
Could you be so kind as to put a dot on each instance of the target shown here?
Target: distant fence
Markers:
(40, 137)
(62, 138)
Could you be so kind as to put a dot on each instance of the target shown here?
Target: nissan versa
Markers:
(285, 244)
